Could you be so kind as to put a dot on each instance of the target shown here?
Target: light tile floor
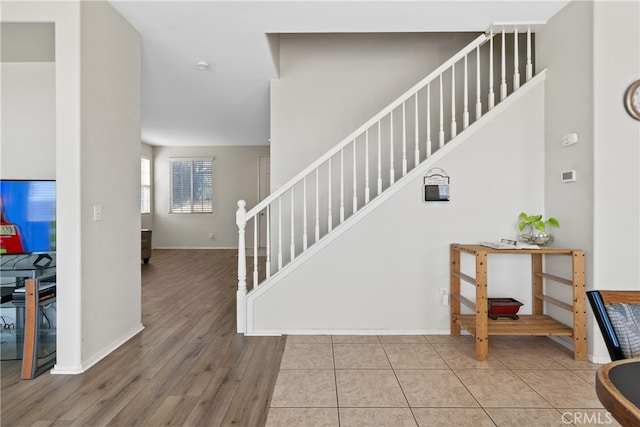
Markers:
(432, 381)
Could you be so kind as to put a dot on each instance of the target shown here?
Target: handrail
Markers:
(481, 39)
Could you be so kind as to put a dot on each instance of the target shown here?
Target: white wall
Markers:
(110, 158)
(391, 283)
(96, 132)
(592, 51)
(564, 47)
(332, 83)
(28, 120)
(616, 150)
(235, 177)
(66, 18)
(617, 146)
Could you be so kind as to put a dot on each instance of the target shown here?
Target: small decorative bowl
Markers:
(503, 307)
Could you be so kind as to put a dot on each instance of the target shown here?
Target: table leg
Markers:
(536, 283)
(30, 357)
(482, 327)
(454, 290)
(579, 309)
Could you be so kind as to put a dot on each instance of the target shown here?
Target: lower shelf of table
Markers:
(531, 325)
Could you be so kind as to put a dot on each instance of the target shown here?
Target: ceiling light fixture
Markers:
(203, 65)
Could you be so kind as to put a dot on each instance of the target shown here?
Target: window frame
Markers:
(192, 208)
(144, 186)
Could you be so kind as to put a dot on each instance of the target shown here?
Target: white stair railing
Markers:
(377, 152)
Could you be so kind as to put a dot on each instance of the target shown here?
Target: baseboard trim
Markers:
(194, 247)
(271, 333)
(104, 353)
(598, 360)
(66, 370)
(74, 370)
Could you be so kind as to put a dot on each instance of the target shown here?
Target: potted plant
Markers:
(534, 228)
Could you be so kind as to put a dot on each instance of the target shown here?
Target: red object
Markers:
(10, 242)
(507, 307)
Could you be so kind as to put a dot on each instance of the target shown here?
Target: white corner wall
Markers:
(383, 275)
(592, 53)
(66, 18)
(235, 177)
(110, 158)
(97, 132)
(330, 84)
(616, 240)
(616, 146)
(564, 46)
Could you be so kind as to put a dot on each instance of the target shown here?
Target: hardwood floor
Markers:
(187, 367)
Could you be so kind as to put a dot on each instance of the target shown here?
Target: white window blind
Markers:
(145, 185)
(191, 185)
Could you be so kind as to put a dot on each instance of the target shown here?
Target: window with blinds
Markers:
(145, 185)
(191, 185)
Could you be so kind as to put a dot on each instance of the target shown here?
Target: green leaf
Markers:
(553, 222)
(536, 222)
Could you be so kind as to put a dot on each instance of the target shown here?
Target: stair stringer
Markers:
(253, 299)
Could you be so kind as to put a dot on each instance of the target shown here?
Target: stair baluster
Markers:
(491, 98)
(404, 138)
(429, 148)
(416, 119)
(478, 85)
(366, 167)
(529, 66)
(516, 73)
(465, 110)
(355, 179)
(503, 68)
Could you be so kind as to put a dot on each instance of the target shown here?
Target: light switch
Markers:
(97, 212)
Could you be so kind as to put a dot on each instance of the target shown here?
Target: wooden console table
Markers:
(537, 324)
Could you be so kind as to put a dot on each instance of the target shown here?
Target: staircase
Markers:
(368, 166)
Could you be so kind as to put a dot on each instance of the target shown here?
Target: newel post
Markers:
(241, 222)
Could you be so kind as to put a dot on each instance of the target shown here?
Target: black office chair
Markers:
(621, 340)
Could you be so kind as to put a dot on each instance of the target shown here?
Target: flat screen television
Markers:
(27, 216)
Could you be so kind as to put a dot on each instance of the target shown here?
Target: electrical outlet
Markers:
(444, 296)
(445, 299)
(211, 236)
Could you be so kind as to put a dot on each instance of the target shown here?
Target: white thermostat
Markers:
(568, 176)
